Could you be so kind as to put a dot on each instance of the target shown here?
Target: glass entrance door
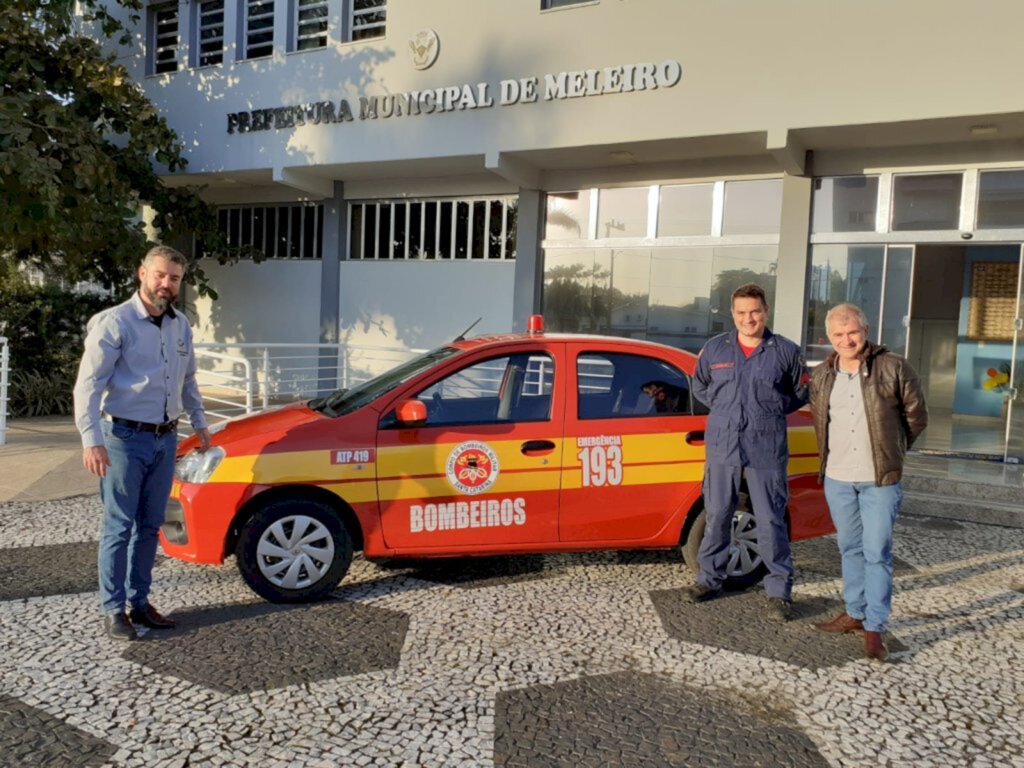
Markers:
(897, 289)
(1015, 402)
(877, 278)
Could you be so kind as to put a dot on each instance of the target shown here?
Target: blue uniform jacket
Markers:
(749, 398)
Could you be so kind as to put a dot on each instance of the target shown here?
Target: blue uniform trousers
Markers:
(769, 491)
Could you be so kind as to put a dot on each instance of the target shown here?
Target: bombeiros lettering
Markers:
(557, 86)
(460, 515)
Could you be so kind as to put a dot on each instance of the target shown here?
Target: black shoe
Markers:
(780, 609)
(148, 617)
(118, 628)
(701, 594)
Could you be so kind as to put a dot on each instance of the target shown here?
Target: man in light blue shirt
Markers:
(136, 379)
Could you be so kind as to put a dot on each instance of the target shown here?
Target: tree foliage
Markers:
(79, 146)
(45, 328)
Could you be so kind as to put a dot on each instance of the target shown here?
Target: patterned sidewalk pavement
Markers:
(565, 660)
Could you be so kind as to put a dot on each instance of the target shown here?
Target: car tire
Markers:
(294, 551)
(746, 566)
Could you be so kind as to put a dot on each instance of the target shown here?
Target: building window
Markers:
(290, 231)
(658, 262)
(686, 210)
(752, 207)
(163, 37)
(259, 28)
(568, 216)
(1001, 200)
(622, 212)
(676, 296)
(477, 229)
(926, 201)
(367, 19)
(845, 204)
(310, 24)
(209, 33)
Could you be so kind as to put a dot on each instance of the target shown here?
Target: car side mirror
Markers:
(411, 413)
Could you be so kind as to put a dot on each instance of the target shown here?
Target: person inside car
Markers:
(667, 398)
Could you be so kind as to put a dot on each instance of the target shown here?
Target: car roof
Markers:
(497, 340)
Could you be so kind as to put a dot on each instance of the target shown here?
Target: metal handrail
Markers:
(279, 370)
(5, 358)
(228, 384)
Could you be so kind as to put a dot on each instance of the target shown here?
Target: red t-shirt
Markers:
(748, 351)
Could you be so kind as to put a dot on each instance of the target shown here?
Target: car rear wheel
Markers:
(294, 551)
(745, 566)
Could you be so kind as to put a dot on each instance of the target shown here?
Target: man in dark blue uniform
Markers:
(750, 379)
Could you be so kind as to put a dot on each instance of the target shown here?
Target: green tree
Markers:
(45, 327)
(80, 144)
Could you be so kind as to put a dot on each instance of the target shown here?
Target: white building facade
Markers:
(410, 166)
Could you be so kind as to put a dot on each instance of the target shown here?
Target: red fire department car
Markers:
(518, 443)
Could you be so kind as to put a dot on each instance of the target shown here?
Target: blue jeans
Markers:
(134, 494)
(864, 515)
(769, 492)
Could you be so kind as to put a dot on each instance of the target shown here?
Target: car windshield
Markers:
(344, 401)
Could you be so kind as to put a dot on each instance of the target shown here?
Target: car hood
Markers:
(264, 426)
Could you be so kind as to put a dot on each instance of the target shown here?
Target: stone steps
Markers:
(963, 499)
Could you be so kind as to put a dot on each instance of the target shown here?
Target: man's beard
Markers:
(160, 302)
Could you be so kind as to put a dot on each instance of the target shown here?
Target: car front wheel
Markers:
(745, 566)
(294, 551)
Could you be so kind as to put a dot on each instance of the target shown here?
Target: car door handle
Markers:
(537, 447)
(695, 438)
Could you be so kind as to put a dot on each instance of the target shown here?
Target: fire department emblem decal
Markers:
(472, 467)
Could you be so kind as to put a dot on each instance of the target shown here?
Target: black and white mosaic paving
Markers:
(588, 659)
(31, 737)
(58, 569)
(227, 648)
(636, 719)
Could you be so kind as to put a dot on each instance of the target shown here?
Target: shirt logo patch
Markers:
(716, 366)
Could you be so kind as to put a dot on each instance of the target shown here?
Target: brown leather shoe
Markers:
(874, 645)
(841, 624)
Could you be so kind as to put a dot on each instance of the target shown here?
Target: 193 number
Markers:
(602, 465)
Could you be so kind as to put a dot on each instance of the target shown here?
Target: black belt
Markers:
(145, 426)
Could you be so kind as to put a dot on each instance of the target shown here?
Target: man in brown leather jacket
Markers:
(868, 409)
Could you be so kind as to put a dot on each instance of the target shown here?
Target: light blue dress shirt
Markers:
(134, 369)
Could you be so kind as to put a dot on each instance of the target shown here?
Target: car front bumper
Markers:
(198, 518)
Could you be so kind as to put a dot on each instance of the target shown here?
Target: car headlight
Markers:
(196, 467)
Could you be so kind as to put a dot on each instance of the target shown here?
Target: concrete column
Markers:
(791, 275)
(529, 272)
(232, 33)
(283, 36)
(334, 249)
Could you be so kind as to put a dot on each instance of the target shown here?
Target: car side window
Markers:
(611, 386)
(495, 391)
